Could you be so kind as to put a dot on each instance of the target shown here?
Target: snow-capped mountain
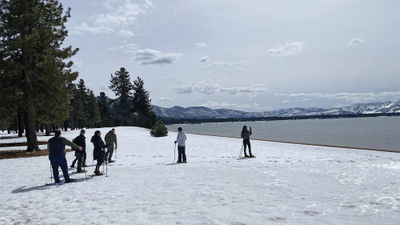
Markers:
(199, 112)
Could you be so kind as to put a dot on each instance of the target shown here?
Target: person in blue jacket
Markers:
(56, 147)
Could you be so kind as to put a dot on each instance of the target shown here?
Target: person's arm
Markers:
(71, 144)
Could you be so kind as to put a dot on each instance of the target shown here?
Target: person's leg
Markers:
(64, 168)
(110, 151)
(73, 162)
(244, 147)
(248, 143)
(84, 159)
(179, 154)
(184, 154)
(54, 166)
(80, 155)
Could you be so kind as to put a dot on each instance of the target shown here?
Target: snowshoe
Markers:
(111, 161)
(81, 171)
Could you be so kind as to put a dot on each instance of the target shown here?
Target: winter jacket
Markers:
(246, 135)
(181, 139)
(98, 151)
(56, 146)
(111, 138)
(81, 141)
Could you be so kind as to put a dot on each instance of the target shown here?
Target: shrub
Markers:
(159, 129)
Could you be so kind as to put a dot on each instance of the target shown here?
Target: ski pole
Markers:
(106, 168)
(174, 152)
(51, 174)
(240, 154)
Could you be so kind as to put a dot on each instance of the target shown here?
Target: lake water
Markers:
(377, 132)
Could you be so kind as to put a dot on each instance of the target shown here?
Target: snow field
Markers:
(285, 184)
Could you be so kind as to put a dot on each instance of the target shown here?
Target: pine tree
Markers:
(142, 104)
(32, 33)
(107, 116)
(121, 85)
(93, 110)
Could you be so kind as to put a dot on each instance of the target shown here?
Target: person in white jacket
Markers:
(181, 140)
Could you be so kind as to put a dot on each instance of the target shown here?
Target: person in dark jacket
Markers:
(98, 151)
(80, 154)
(56, 147)
(246, 140)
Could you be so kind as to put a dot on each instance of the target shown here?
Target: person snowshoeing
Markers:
(98, 151)
(111, 140)
(246, 140)
(80, 154)
(56, 147)
(181, 139)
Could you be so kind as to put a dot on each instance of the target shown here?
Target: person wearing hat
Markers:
(111, 141)
(56, 147)
(80, 155)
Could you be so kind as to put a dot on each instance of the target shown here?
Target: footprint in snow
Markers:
(311, 213)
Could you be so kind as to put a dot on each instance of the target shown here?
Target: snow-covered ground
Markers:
(285, 184)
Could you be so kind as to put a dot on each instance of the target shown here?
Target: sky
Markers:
(252, 55)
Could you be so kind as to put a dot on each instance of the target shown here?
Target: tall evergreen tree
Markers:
(93, 110)
(122, 87)
(142, 104)
(107, 116)
(32, 33)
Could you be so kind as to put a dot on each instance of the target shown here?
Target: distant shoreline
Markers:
(302, 143)
(172, 121)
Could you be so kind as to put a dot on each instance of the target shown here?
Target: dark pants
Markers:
(79, 157)
(181, 154)
(57, 161)
(99, 162)
(246, 142)
(84, 158)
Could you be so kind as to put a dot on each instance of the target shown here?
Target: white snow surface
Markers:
(285, 184)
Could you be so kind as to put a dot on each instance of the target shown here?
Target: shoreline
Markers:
(302, 143)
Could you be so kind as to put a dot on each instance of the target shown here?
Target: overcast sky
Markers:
(247, 55)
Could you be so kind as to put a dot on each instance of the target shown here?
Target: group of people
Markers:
(56, 147)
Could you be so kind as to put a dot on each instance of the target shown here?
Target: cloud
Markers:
(183, 90)
(225, 104)
(118, 18)
(355, 41)
(227, 63)
(204, 59)
(126, 33)
(287, 49)
(150, 56)
(210, 88)
(360, 97)
(165, 99)
(201, 44)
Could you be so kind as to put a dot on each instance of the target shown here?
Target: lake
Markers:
(377, 132)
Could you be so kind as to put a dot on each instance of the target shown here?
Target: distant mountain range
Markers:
(199, 112)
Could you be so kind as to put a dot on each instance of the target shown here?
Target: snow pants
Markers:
(57, 161)
(110, 151)
(181, 154)
(246, 142)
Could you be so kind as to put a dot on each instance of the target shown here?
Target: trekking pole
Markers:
(240, 154)
(174, 152)
(51, 174)
(106, 168)
(84, 167)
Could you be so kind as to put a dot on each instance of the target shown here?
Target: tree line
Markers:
(37, 89)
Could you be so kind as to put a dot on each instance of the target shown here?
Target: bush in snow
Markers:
(159, 129)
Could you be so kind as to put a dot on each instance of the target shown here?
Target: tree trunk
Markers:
(20, 123)
(47, 129)
(30, 121)
(42, 128)
(29, 112)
